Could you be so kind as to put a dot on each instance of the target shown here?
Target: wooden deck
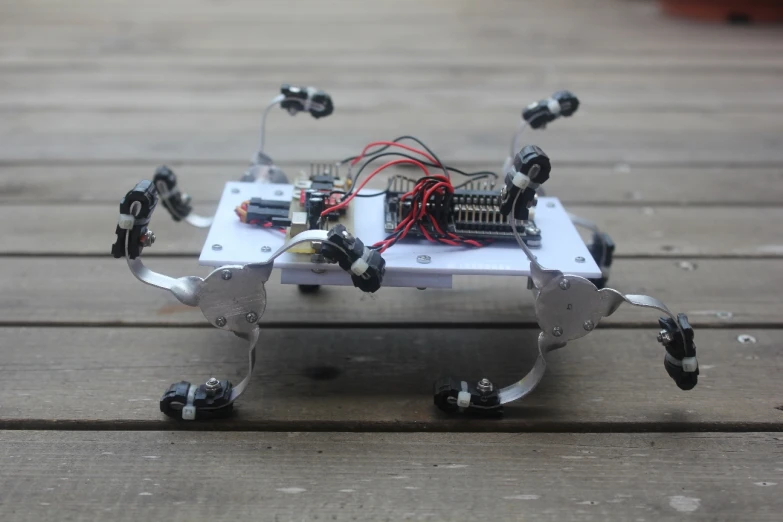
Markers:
(677, 151)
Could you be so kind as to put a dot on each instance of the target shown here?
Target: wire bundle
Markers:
(430, 192)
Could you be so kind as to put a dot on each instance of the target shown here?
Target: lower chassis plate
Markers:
(231, 242)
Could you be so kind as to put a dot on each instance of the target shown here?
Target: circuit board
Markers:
(410, 263)
(470, 213)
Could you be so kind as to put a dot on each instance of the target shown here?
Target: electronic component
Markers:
(267, 213)
(365, 265)
(136, 210)
(531, 169)
(309, 99)
(539, 114)
(233, 298)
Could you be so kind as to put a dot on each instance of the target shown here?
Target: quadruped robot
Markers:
(324, 229)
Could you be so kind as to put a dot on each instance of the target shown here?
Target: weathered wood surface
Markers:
(381, 379)
(676, 152)
(101, 291)
(349, 476)
(620, 184)
(66, 229)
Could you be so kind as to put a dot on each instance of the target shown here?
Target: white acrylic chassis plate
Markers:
(241, 244)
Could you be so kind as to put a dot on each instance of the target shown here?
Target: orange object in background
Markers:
(733, 11)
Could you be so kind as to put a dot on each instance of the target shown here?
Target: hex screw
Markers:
(484, 385)
(217, 247)
(588, 325)
(220, 321)
(557, 331)
(424, 260)
(266, 248)
(212, 385)
(565, 284)
(579, 259)
(235, 191)
(251, 317)
(225, 274)
(746, 339)
(278, 192)
(550, 205)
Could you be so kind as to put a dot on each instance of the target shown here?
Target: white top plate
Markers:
(241, 244)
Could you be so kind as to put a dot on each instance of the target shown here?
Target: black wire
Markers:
(412, 138)
(481, 174)
(461, 185)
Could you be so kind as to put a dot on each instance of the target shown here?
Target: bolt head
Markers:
(564, 284)
(220, 321)
(266, 248)
(217, 247)
(485, 385)
(746, 339)
(278, 192)
(225, 275)
(424, 260)
(579, 259)
(251, 317)
(212, 385)
(664, 337)
(550, 205)
(588, 325)
(235, 190)
(557, 331)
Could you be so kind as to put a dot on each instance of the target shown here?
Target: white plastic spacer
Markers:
(520, 180)
(554, 106)
(126, 221)
(188, 413)
(463, 399)
(690, 364)
(359, 266)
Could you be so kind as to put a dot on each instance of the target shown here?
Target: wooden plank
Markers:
(65, 291)
(353, 476)
(568, 27)
(60, 229)
(610, 185)
(661, 138)
(236, 83)
(381, 379)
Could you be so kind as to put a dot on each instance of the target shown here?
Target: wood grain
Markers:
(73, 291)
(619, 184)
(381, 379)
(65, 229)
(341, 476)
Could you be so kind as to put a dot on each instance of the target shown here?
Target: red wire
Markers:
(347, 200)
(393, 144)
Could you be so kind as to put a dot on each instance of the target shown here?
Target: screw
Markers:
(746, 339)
(588, 325)
(226, 275)
(251, 317)
(318, 270)
(148, 239)
(579, 259)
(424, 260)
(235, 191)
(724, 315)
(565, 284)
(664, 337)
(217, 247)
(220, 321)
(532, 231)
(212, 385)
(550, 205)
(266, 248)
(557, 331)
(485, 385)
